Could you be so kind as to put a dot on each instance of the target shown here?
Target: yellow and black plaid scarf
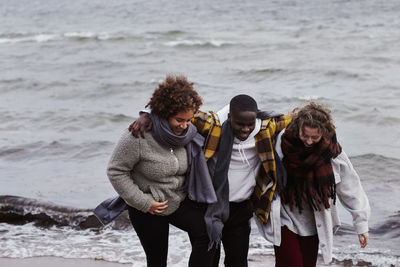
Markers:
(209, 126)
(310, 175)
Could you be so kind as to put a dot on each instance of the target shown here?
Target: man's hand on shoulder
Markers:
(141, 125)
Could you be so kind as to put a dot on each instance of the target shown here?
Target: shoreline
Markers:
(50, 261)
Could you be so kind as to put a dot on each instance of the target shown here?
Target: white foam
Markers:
(107, 244)
(88, 35)
(80, 34)
(123, 246)
(40, 38)
(215, 43)
(47, 37)
(309, 97)
(377, 258)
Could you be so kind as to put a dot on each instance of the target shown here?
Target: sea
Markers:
(74, 75)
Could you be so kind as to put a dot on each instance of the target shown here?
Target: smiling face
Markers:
(243, 123)
(180, 121)
(310, 136)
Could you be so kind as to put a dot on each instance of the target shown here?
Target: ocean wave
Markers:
(341, 74)
(12, 81)
(301, 99)
(198, 43)
(379, 170)
(258, 75)
(375, 157)
(54, 150)
(23, 38)
(170, 33)
(72, 232)
(42, 37)
(13, 38)
(390, 227)
(20, 210)
(374, 258)
(262, 71)
(372, 159)
(61, 121)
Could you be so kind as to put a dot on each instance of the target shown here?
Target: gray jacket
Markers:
(141, 170)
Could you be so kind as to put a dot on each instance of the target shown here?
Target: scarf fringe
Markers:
(313, 199)
(215, 243)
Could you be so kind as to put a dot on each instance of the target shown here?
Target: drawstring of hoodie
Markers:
(242, 154)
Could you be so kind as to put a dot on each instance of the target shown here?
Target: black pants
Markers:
(153, 231)
(235, 235)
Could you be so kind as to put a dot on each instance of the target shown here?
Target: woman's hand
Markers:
(363, 239)
(141, 125)
(158, 207)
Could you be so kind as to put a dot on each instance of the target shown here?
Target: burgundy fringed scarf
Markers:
(310, 175)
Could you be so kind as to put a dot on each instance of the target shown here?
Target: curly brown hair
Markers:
(313, 115)
(175, 94)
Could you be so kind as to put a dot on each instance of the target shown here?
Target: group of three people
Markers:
(209, 173)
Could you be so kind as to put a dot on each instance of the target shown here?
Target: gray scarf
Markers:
(198, 180)
(218, 213)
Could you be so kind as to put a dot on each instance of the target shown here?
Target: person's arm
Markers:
(223, 114)
(352, 196)
(125, 155)
(282, 122)
(142, 124)
(204, 122)
(278, 121)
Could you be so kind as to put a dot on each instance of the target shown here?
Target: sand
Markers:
(254, 261)
(58, 262)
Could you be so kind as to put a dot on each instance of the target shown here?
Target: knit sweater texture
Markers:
(140, 169)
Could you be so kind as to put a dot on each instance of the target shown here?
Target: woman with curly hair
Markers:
(164, 177)
(304, 215)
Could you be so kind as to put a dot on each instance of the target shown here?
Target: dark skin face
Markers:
(243, 123)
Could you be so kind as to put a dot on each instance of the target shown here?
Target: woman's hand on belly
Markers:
(158, 207)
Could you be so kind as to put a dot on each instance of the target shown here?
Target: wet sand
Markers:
(254, 261)
(269, 261)
(57, 261)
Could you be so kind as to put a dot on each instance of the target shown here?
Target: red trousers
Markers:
(295, 250)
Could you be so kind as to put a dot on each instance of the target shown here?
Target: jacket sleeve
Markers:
(204, 122)
(350, 192)
(281, 122)
(125, 155)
